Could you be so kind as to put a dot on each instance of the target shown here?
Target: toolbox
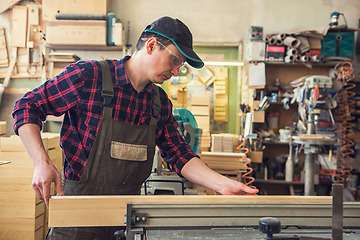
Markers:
(338, 44)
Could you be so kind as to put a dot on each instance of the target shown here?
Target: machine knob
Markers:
(269, 226)
(120, 235)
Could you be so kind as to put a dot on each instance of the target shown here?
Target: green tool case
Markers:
(338, 44)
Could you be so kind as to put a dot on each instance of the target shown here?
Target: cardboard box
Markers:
(256, 156)
(255, 51)
(51, 7)
(76, 32)
(259, 116)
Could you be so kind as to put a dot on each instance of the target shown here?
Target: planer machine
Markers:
(213, 217)
(220, 221)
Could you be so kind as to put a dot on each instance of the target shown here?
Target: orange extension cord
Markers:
(248, 179)
(344, 109)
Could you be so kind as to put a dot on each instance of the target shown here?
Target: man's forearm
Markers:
(45, 172)
(31, 139)
(198, 172)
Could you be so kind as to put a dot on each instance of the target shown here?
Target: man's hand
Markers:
(232, 187)
(45, 173)
(198, 172)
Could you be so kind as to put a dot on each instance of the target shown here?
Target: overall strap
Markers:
(155, 106)
(107, 92)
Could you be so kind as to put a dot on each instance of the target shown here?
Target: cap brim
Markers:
(191, 57)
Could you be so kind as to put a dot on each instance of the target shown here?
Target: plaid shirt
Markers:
(76, 94)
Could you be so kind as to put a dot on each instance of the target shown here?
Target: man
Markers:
(114, 116)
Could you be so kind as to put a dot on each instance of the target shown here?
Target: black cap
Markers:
(179, 34)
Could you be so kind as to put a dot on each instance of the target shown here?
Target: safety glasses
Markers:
(175, 61)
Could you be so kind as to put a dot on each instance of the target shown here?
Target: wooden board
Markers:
(4, 58)
(19, 26)
(22, 213)
(6, 4)
(14, 144)
(315, 137)
(109, 210)
(2, 127)
(51, 7)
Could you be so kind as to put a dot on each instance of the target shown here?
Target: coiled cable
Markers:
(248, 180)
(345, 106)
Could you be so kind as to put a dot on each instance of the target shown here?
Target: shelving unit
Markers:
(285, 72)
(85, 52)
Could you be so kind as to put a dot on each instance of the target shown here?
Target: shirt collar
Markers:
(122, 79)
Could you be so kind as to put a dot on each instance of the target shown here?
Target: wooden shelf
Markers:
(310, 64)
(275, 142)
(283, 182)
(85, 47)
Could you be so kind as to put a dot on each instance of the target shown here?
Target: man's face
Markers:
(166, 62)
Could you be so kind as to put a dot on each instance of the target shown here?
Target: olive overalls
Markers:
(119, 162)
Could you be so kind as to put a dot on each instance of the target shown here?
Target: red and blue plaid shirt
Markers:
(76, 94)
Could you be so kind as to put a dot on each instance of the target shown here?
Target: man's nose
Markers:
(175, 71)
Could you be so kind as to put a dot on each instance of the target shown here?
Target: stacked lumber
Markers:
(224, 142)
(224, 163)
(23, 215)
(200, 108)
(216, 142)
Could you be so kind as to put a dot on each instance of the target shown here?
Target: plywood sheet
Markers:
(6, 4)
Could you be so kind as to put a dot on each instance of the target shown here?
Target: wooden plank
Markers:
(19, 25)
(17, 171)
(19, 197)
(222, 155)
(25, 224)
(109, 210)
(17, 234)
(2, 127)
(23, 210)
(53, 139)
(14, 144)
(6, 4)
(11, 67)
(51, 7)
(15, 184)
(225, 166)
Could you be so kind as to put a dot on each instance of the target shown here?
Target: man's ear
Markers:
(150, 45)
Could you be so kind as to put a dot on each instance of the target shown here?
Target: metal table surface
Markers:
(241, 233)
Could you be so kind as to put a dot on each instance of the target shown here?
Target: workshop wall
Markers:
(228, 21)
(220, 22)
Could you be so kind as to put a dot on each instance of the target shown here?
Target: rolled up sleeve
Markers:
(54, 97)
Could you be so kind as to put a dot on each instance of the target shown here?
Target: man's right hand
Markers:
(45, 173)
